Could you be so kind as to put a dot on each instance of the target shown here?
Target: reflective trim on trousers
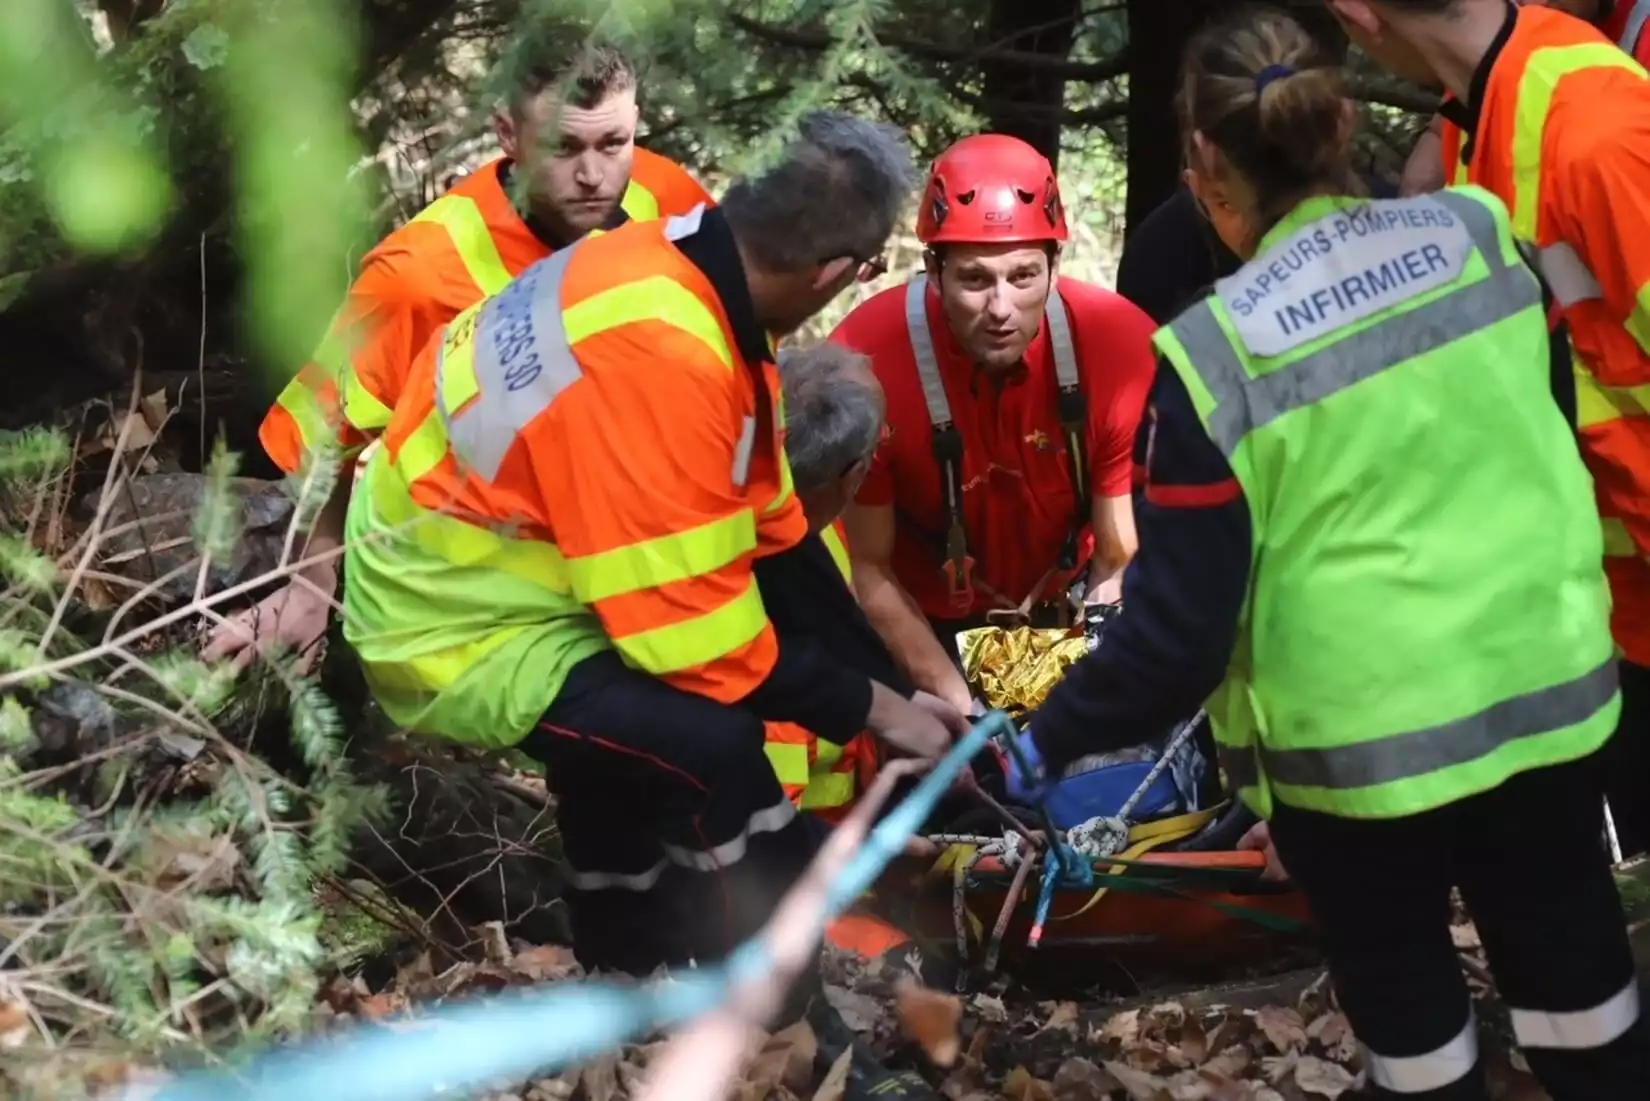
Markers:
(1412, 753)
(767, 820)
(640, 882)
(1432, 1071)
(1244, 403)
(1581, 1029)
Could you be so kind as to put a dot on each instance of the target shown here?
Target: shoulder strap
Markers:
(947, 441)
(1073, 410)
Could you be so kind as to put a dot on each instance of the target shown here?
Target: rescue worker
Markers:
(556, 548)
(834, 417)
(1577, 180)
(1409, 673)
(570, 165)
(1012, 407)
(1621, 21)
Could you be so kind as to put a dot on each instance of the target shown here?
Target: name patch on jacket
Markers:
(1341, 268)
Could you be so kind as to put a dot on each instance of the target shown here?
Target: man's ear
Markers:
(1357, 14)
(931, 265)
(504, 128)
(834, 273)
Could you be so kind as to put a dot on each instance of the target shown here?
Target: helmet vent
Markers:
(967, 196)
(1026, 197)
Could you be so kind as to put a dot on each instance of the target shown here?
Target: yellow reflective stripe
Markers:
(833, 789)
(1618, 541)
(449, 538)
(786, 487)
(458, 361)
(361, 408)
(640, 203)
(1598, 404)
(663, 559)
(1638, 322)
(826, 752)
(790, 762)
(1535, 98)
(839, 552)
(700, 640)
(465, 225)
(303, 404)
(656, 298)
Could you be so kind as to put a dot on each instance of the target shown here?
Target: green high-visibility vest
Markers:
(1427, 613)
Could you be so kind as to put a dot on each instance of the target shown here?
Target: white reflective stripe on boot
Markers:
(1432, 1071)
(1581, 1029)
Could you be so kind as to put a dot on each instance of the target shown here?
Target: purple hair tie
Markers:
(1271, 73)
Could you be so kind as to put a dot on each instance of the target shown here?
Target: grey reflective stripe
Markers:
(922, 350)
(742, 452)
(1630, 34)
(524, 320)
(767, 820)
(685, 225)
(641, 882)
(1412, 753)
(1059, 339)
(1581, 1029)
(1433, 1071)
(1243, 403)
(1568, 276)
(1239, 766)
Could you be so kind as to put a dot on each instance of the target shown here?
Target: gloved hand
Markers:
(1028, 784)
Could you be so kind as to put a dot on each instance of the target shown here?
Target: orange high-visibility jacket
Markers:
(461, 248)
(544, 490)
(1563, 138)
(817, 775)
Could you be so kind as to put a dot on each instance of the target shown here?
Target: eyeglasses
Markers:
(872, 269)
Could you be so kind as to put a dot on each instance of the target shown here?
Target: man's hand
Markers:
(1108, 591)
(951, 717)
(294, 617)
(1259, 839)
(914, 728)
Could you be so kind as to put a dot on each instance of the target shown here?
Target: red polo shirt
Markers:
(1018, 500)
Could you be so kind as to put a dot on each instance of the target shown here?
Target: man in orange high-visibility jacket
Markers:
(557, 547)
(570, 167)
(1559, 125)
(1436, 160)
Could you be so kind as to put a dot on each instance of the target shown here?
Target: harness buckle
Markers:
(959, 565)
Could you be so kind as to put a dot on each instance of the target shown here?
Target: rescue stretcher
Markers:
(1169, 884)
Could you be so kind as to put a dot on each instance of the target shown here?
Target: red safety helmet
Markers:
(991, 188)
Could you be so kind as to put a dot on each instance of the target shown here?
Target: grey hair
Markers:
(836, 191)
(833, 419)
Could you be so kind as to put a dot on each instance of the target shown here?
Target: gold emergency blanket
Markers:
(1014, 668)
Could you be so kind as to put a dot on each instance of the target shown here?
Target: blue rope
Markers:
(517, 1035)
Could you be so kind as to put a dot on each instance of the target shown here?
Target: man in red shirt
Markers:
(1012, 408)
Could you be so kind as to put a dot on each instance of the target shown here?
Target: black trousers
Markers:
(1628, 785)
(678, 839)
(1527, 859)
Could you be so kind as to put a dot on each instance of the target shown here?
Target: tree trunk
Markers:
(1158, 33)
(1022, 100)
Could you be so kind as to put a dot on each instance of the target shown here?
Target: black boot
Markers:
(868, 1078)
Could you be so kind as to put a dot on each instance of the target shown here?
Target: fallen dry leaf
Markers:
(1322, 1078)
(1020, 1085)
(1283, 1027)
(1139, 1085)
(1465, 936)
(1122, 1028)
(835, 1085)
(1333, 1032)
(786, 1058)
(1063, 1019)
(930, 1018)
(375, 1007)
(860, 1012)
(988, 1008)
(1081, 1080)
(600, 1080)
(1230, 1063)
(1194, 1042)
(545, 963)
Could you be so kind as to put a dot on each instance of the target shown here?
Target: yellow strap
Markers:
(473, 241)
(664, 559)
(790, 762)
(839, 552)
(1144, 838)
(831, 789)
